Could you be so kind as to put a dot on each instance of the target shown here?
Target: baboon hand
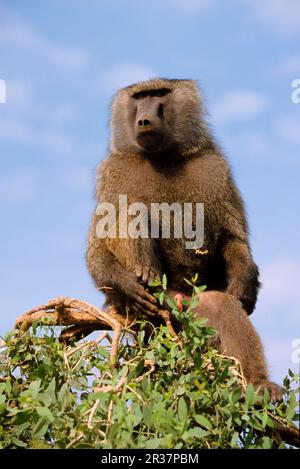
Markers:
(147, 274)
(140, 298)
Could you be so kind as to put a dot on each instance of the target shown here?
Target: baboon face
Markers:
(157, 115)
(149, 115)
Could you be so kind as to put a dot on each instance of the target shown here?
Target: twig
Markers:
(151, 365)
(92, 413)
(73, 442)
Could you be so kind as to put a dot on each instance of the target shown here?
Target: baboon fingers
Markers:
(142, 310)
(146, 273)
(144, 303)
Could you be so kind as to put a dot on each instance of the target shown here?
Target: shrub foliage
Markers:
(163, 392)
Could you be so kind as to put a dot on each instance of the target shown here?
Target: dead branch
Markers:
(82, 317)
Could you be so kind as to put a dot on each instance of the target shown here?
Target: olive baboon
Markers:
(162, 151)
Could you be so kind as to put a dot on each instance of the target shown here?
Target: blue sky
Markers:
(63, 60)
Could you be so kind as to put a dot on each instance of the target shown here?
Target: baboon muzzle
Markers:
(148, 115)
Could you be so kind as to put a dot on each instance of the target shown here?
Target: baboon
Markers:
(162, 151)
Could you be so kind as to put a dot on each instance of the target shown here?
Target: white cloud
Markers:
(26, 120)
(287, 127)
(122, 74)
(21, 100)
(251, 145)
(18, 132)
(280, 279)
(239, 104)
(15, 33)
(280, 16)
(18, 95)
(280, 288)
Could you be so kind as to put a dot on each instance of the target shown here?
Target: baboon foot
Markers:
(275, 391)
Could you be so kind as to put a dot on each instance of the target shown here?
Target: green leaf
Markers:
(233, 441)
(140, 367)
(136, 371)
(63, 393)
(201, 420)
(200, 289)
(236, 395)
(147, 414)
(149, 355)
(194, 302)
(40, 428)
(188, 281)
(171, 303)
(161, 298)
(264, 420)
(103, 351)
(45, 412)
(267, 443)
(182, 409)
(155, 283)
(18, 442)
(194, 433)
(154, 443)
(34, 388)
(250, 396)
(48, 397)
(2, 387)
(180, 390)
(266, 396)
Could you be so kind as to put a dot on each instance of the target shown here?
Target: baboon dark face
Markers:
(156, 116)
(150, 118)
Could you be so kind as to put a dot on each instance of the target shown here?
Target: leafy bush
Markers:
(163, 393)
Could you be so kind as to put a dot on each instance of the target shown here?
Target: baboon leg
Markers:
(237, 337)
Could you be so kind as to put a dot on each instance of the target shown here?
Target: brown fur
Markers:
(187, 167)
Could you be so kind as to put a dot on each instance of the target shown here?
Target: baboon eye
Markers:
(161, 92)
(140, 95)
(143, 94)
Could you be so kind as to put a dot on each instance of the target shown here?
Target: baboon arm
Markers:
(242, 273)
(102, 264)
(113, 277)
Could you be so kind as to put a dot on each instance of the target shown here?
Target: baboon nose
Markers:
(144, 122)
